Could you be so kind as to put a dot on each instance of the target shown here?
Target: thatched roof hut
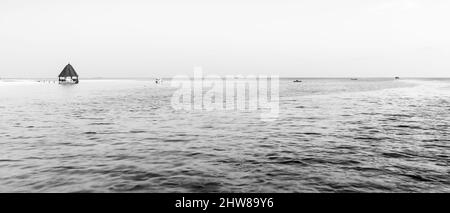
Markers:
(68, 75)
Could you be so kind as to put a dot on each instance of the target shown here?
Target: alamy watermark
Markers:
(238, 93)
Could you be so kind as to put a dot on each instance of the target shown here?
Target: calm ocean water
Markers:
(333, 135)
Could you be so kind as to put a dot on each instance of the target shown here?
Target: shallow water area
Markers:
(332, 135)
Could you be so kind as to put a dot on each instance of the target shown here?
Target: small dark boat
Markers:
(397, 78)
(353, 79)
(297, 81)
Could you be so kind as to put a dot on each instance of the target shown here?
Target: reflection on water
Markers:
(123, 136)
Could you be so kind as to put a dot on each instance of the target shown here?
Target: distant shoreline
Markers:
(281, 78)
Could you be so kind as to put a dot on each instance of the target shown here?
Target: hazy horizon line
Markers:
(281, 77)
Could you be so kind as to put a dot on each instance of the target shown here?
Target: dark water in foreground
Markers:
(123, 136)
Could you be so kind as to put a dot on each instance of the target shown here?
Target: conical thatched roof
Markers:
(68, 71)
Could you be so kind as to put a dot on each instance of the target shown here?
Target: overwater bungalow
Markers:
(68, 75)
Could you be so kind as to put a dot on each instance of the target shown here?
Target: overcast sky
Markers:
(310, 38)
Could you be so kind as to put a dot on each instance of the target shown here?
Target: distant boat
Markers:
(68, 75)
(353, 79)
(297, 81)
(158, 81)
(397, 78)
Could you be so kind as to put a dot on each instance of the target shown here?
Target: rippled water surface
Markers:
(333, 135)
